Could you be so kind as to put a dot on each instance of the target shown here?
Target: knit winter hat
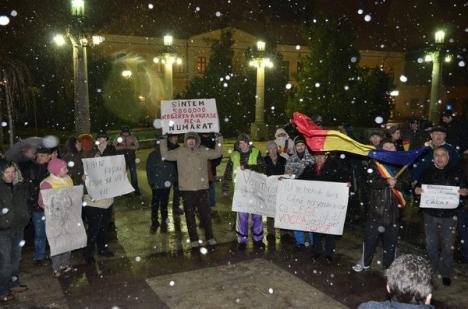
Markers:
(272, 145)
(299, 139)
(244, 138)
(55, 165)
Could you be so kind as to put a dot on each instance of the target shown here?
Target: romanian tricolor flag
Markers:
(318, 139)
(386, 172)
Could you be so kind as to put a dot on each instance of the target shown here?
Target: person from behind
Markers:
(408, 285)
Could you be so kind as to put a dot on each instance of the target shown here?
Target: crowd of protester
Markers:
(378, 197)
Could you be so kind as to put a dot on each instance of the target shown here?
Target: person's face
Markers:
(42, 158)
(414, 126)
(300, 147)
(441, 158)
(243, 146)
(438, 138)
(54, 155)
(30, 153)
(63, 171)
(396, 135)
(191, 143)
(320, 159)
(173, 139)
(446, 119)
(102, 141)
(389, 147)
(9, 174)
(78, 146)
(273, 152)
(375, 139)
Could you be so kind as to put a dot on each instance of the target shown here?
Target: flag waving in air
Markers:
(318, 139)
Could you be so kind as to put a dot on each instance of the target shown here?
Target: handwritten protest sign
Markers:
(106, 177)
(313, 206)
(182, 116)
(64, 229)
(255, 193)
(442, 197)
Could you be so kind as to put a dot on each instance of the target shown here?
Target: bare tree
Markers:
(14, 91)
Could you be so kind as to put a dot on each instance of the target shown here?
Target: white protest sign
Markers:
(441, 197)
(64, 227)
(312, 206)
(255, 193)
(182, 116)
(106, 177)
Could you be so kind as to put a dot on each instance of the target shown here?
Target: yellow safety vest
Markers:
(235, 158)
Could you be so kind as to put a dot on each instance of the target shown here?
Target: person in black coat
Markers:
(327, 167)
(440, 224)
(14, 216)
(274, 165)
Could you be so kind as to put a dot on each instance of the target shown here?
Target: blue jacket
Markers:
(160, 174)
(392, 305)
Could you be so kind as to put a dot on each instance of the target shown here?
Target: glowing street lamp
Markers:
(168, 57)
(436, 58)
(59, 39)
(258, 129)
(77, 8)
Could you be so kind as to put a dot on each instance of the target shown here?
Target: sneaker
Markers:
(358, 268)
(66, 269)
(259, 245)
(19, 288)
(194, 244)
(7, 297)
(212, 242)
(106, 253)
(446, 281)
(56, 273)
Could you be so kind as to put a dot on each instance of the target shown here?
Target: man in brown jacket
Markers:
(192, 164)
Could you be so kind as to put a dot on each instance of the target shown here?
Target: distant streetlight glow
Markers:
(395, 93)
(448, 58)
(78, 7)
(428, 58)
(127, 73)
(439, 36)
(261, 46)
(59, 40)
(97, 39)
(168, 40)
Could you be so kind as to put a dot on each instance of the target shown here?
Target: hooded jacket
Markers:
(285, 144)
(192, 164)
(296, 164)
(14, 210)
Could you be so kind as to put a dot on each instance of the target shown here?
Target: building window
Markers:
(201, 64)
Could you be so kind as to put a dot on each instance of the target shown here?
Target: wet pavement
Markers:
(161, 271)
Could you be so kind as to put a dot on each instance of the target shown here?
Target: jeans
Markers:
(463, 230)
(440, 234)
(389, 234)
(300, 237)
(131, 165)
(40, 238)
(212, 195)
(159, 202)
(324, 243)
(98, 221)
(10, 255)
(197, 200)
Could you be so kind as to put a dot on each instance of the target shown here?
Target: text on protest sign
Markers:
(312, 206)
(106, 177)
(182, 116)
(64, 229)
(255, 193)
(441, 197)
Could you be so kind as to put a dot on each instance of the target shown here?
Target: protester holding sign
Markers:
(245, 157)
(385, 200)
(326, 168)
(57, 179)
(192, 165)
(440, 224)
(274, 164)
(127, 144)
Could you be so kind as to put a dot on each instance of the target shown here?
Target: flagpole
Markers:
(401, 171)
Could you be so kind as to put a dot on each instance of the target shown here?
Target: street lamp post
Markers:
(258, 129)
(168, 57)
(435, 57)
(79, 44)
